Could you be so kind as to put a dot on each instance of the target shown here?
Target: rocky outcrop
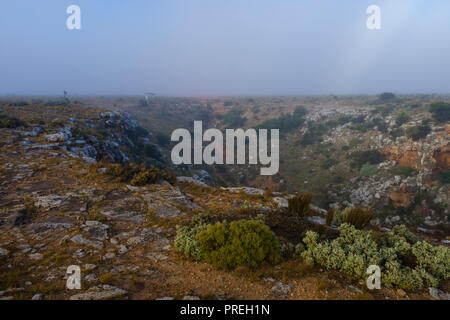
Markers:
(401, 198)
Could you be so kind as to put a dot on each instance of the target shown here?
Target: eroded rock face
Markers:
(442, 158)
(428, 154)
(401, 198)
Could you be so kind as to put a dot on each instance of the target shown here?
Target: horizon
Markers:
(118, 95)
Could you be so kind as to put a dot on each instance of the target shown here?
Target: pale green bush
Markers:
(186, 242)
(299, 248)
(354, 250)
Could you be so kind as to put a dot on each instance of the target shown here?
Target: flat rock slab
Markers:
(100, 293)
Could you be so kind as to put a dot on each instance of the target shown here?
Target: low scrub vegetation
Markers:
(403, 171)
(402, 118)
(419, 132)
(405, 262)
(229, 245)
(10, 122)
(440, 111)
(445, 177)
(360, 158)
(286, 123)
(234, 119)
(357, 217)
(299, 205)
(138, 175)
(368, 170)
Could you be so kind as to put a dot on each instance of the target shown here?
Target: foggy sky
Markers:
(224, 47)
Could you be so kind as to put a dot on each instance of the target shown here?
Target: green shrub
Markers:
(328, 163)
(440, 111)
(299, 248)
(402, 119)
(186, 243)
(397, 132)
(361, 158)
(244, 242)
(368, 170)
(403, 171)
(384, 110)
(234, 119)
(445, 177)
(286, 123)
(11, 122)
(354, 250)
(387, 97)
(287, 249)
(315, 132)
(138, 175)
(419, 132)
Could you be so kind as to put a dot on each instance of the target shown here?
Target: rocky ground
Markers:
(58, 208)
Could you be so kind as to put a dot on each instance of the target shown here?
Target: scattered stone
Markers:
(3, 252)
(91, 277)
(156, 256)
(56, 137)
(89, 266)
(49, 202)
(96, 230)
(246, 190)
(355, 289)
(109, 256)
(78, 254)
(104, 292)
(401, 292)
(37, 296)
(191, 298)
(122, 249)
(15, 219)
(281, 202)
(79, 239)
(439, 294)
(282, 290)
(35, 256)
(191, 180)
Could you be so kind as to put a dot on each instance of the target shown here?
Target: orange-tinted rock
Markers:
(408, 158)
(442, 158)
(401, 198)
